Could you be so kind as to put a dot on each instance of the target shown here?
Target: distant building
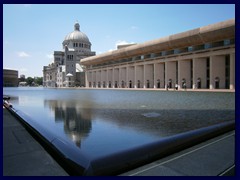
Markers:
(10, 78)
(22, 76)
(202, 58)
(22, 84)
(66, 71)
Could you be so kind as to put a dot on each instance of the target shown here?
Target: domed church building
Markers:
(66, 71)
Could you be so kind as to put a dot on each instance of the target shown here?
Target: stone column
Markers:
(102, 77)
(86, 78)
(232, 71)
(154, 75)
(217, 70)
(179, 80)
(120, 77)
(95, 77)
(127, 83)
(89, 77)
(144, 76)
(113, 80)
(166, 75)
(194, 75)
(170, 70)
(184, 72)
(211, 78)
(135, 76)
(107, 82)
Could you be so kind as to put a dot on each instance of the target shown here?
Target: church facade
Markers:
(66, 70)
(202, 58)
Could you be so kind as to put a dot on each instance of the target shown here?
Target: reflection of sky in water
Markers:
(105, 121)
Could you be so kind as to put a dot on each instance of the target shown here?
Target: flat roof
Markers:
(210, 33)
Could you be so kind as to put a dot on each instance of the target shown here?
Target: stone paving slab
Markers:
(210, 158)
(22, 154)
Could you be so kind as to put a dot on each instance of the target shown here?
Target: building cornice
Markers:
(210, 33)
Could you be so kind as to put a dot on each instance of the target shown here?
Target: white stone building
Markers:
(66, 71)
(202, 58)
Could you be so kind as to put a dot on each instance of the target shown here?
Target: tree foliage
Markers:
(36, 81)
(29, 81)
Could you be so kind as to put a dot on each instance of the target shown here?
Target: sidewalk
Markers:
(153, 89)
(215, 157)
(22, 154)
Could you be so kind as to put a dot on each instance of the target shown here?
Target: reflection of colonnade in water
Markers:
(194, 71)
(77, 121)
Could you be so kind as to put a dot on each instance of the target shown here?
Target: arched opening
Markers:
(158, 83)
(104, 85)
(199, 84)
(130, 84)
(148, 84)
(109, 84)
(138, 84)
(217, 82)
(116, 84)
(99, 84)
(184, 86)
(170, 83)
(122, 84)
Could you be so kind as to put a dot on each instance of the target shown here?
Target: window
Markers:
(207, 45)
(152, 55)
(176, 51)
(217, 44)
(226, 42)
(164, 53)
(190, 48)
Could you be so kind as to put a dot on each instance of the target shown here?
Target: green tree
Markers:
(22, 79)
(38, 80)
(29, 81)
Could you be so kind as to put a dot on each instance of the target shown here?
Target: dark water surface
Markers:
(102, 122)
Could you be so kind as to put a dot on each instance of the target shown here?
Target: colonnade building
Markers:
(202, 58)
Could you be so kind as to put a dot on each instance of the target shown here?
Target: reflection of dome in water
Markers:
(77, 35)
(69, 75)
(77, 122)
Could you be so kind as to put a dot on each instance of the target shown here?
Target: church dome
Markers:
(77, 35)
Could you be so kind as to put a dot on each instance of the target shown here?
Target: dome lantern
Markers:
(76, 27)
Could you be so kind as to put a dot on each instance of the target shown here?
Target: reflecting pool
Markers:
(101, 122)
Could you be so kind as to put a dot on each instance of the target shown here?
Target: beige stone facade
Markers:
(202, 58)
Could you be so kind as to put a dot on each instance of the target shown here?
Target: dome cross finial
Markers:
(76, 26)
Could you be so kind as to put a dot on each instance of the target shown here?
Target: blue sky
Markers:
(32, 32)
